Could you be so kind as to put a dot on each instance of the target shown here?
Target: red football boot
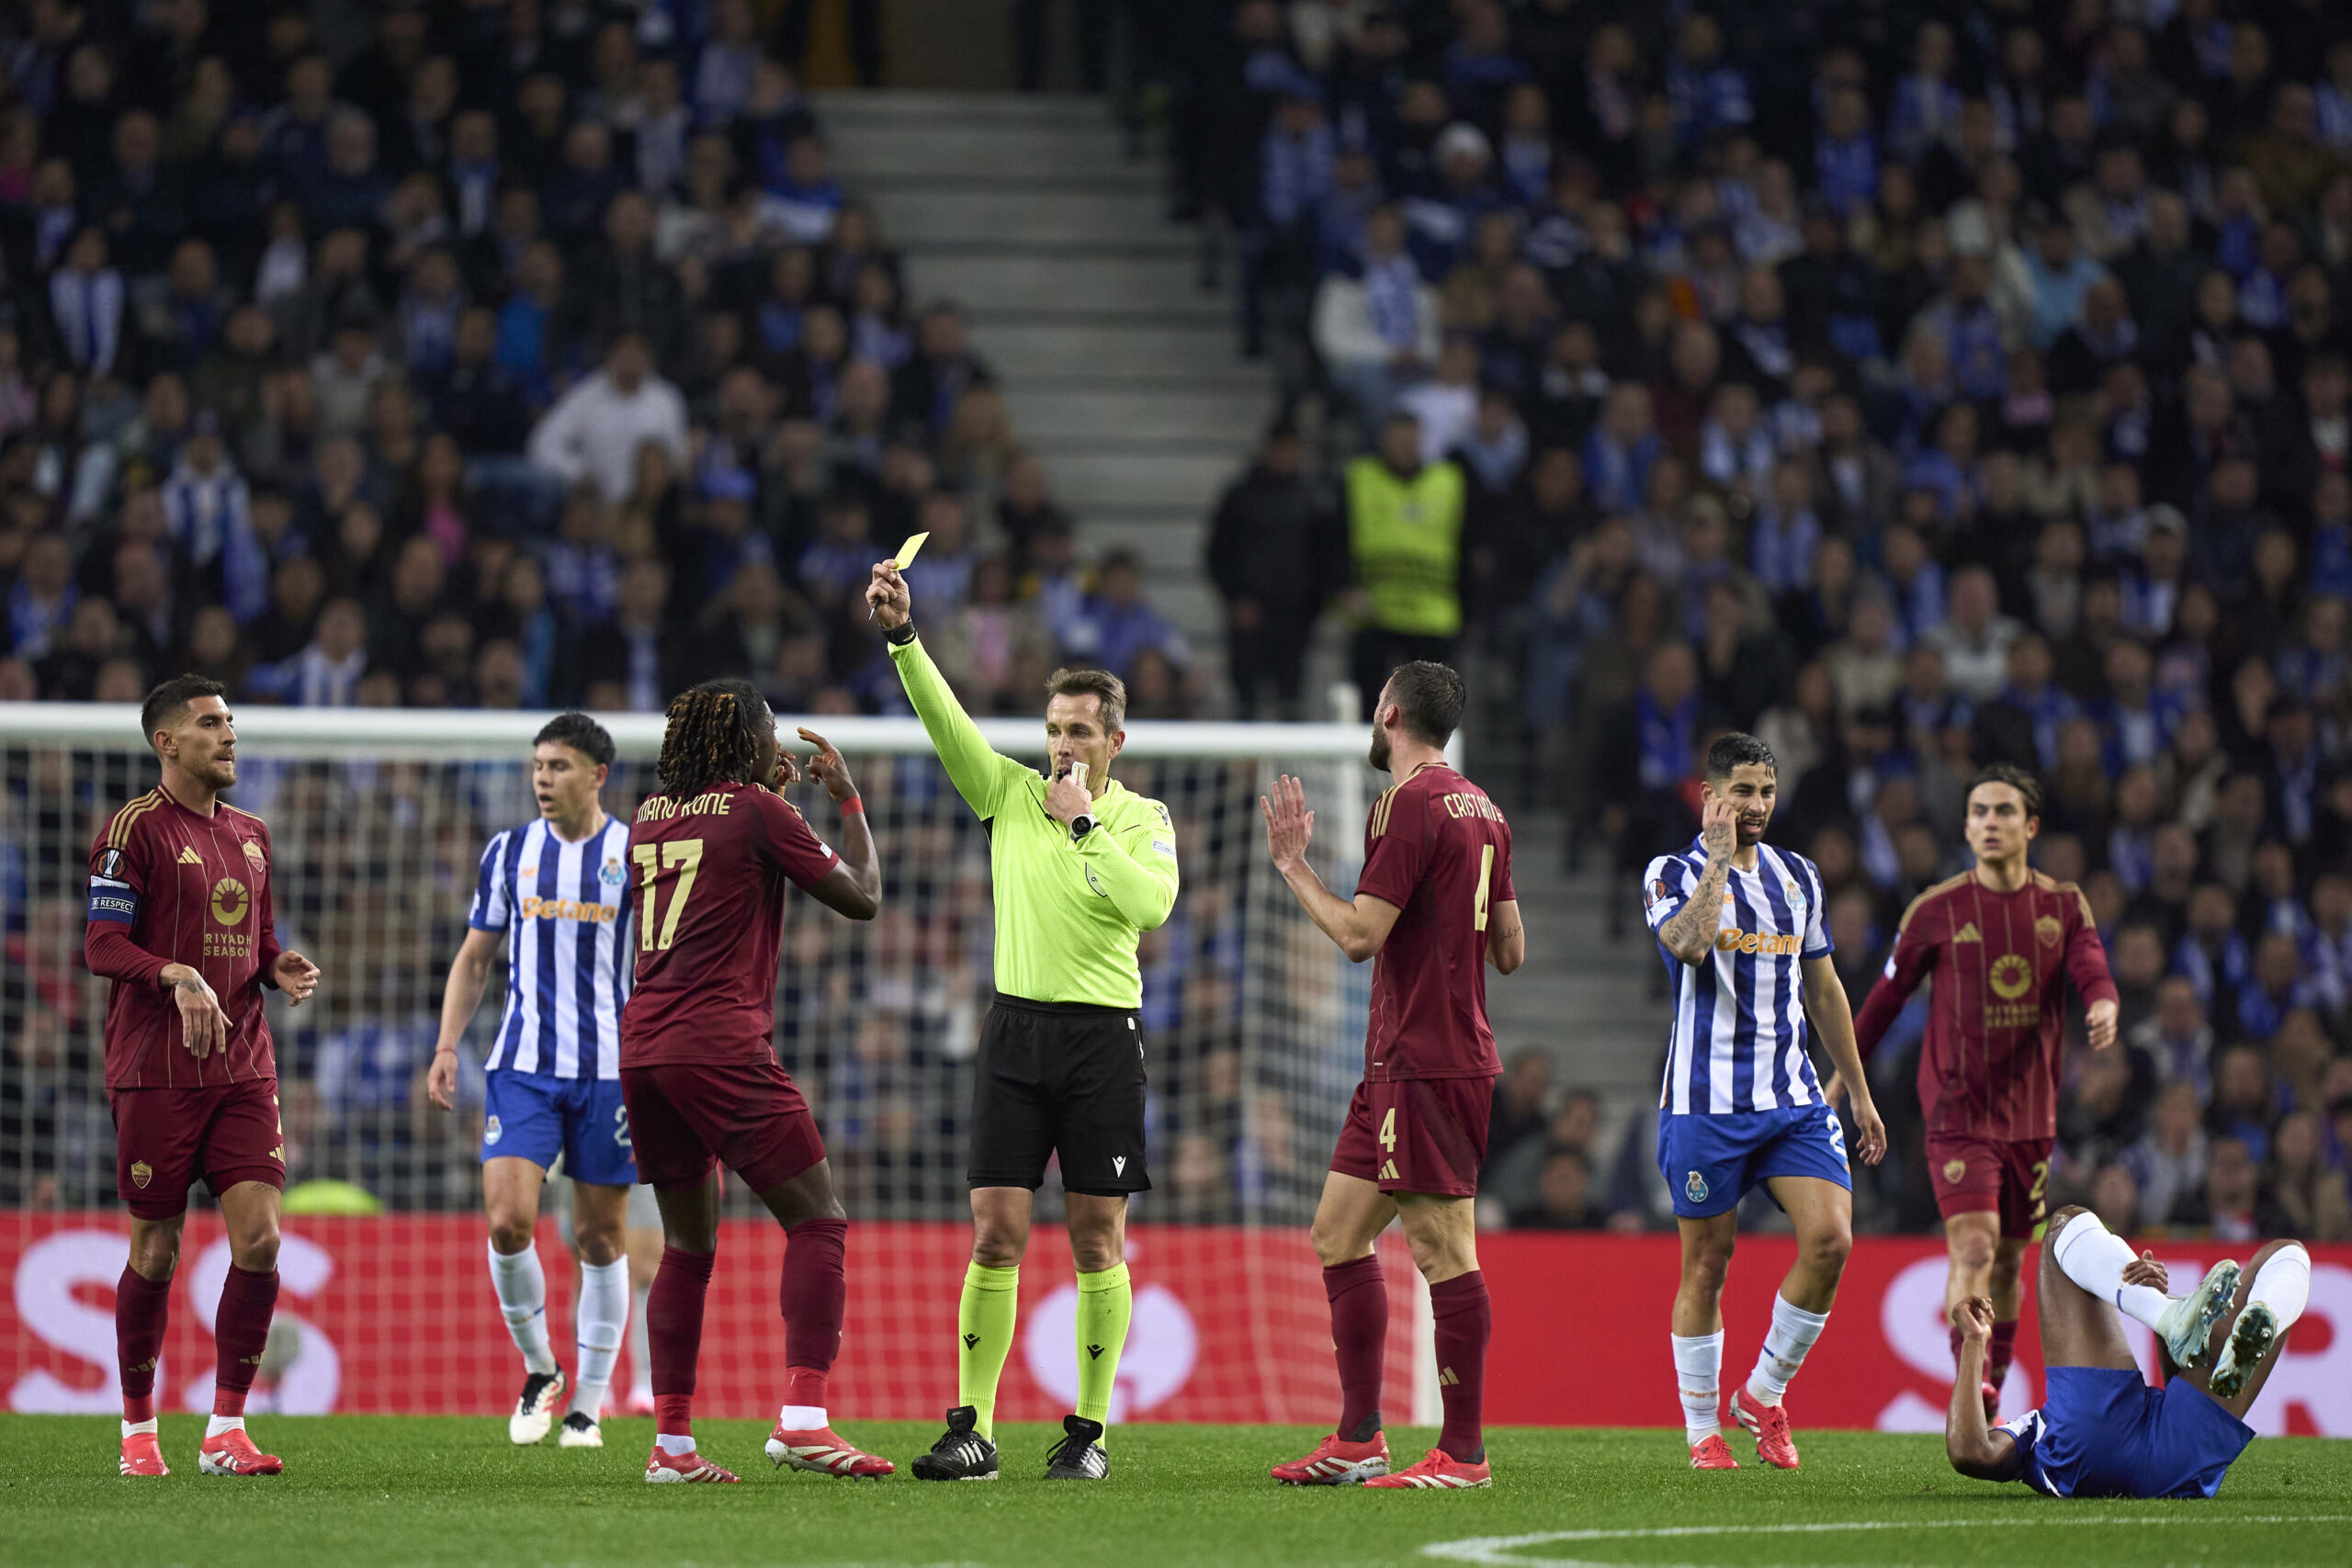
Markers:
(1769, 1425)
(233, 1453)
(143, 1456)
(1438, 1472)
(1337, 1462)
(1713, 1453)
(668, 1468)
(824, 1453)
(1992, 1397)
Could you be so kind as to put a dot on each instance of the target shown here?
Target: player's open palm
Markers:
(203, 1026)
(1290, 827)
(1717, 821)
(826, 767)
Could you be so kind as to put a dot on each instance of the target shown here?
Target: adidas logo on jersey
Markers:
(1445, 1378)
(1968, 933)
(1388, 1172)
(189, 857)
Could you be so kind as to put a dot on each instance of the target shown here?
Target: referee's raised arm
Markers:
(977, 771)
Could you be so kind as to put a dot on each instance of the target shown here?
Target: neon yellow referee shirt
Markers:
(1066, 914)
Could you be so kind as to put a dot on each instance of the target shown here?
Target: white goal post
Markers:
(1254, 1025)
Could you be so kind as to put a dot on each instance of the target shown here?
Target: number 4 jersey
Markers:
(1439, 851)
(710, 872)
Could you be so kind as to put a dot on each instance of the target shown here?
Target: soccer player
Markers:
(1433, 904)
(180, 920)
(714, 850)
(1081, 867)
(1747, 944)
(555, 891)
(2001, 940)
(2101, 1430)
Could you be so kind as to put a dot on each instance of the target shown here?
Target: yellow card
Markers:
(906, 555)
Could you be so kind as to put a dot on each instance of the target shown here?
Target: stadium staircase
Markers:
(1123, 374)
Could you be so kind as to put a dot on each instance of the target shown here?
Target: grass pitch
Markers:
(374, 1492)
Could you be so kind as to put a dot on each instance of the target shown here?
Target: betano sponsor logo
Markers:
(538, 908)
(1767, 944)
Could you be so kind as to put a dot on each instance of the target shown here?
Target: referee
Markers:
(1081, 866)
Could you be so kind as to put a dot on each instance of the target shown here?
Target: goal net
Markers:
(1253, 1024)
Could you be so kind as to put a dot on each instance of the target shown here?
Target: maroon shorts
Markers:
(1976, 1175)
(1418, 1134)
(165, 1139)
(685, 1117)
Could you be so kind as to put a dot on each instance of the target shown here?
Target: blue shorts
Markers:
(1711, 1161)
(535, 1118)
(2103, 1432)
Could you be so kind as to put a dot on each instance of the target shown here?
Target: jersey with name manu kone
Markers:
(711, 872)
(570, 950)
(1739, 1033)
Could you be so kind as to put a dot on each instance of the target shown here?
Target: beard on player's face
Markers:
(1382, 751)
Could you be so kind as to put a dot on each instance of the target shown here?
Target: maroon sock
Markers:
(1465, 1318)
(673, 1330)
(811, 1296)
(1360, 1333)
(240, 1333)
(2005, 1349)
(142, 1307)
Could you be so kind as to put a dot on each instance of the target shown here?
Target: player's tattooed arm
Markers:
(1690, 934)
(1976, 1448)
(203, 1026)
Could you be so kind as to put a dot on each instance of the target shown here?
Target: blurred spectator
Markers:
(1275, 551)
(595, 430)
(1405, 521)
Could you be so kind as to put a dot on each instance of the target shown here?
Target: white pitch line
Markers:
(1500, 1550)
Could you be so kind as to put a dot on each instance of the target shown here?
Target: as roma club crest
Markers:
(2047, 931)
(1954, 1170)
(141, 1173)
(1695, 1188)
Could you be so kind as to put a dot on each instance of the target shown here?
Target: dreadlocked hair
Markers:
(712, 737)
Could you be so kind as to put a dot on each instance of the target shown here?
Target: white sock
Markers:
(2095, 1257)
(132, 1429)
(522, 1302)
(2283, 1285)
(802, 1418)
(670, 1445)
(601, 1318)
(1792, 1333)
(640, 1345)
(219, 1424)
(1698, 1372)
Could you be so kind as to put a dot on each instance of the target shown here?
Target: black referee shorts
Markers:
(1058, 1077)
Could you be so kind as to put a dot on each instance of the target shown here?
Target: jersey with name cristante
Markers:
(1439, 851)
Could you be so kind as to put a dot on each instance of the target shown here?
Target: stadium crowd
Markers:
(1915, 386)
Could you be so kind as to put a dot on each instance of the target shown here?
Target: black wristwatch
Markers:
(901, 635)
(1080, 825)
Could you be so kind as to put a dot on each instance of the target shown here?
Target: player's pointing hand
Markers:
(1718, 825)
(826, 767)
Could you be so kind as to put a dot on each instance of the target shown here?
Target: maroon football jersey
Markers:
(710, 873)
(1439, 851)
(168, 886)
(1997, 1017)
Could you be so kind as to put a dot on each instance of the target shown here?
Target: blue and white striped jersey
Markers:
(1738, 1041)
(570, 952)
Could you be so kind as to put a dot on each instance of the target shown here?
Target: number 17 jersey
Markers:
(709, 874)
(1439, 851)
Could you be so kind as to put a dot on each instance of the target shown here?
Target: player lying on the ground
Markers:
(1433, 904)
(2101, 1430)
(2001, 940)
(555, 892)
(1747, 942)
